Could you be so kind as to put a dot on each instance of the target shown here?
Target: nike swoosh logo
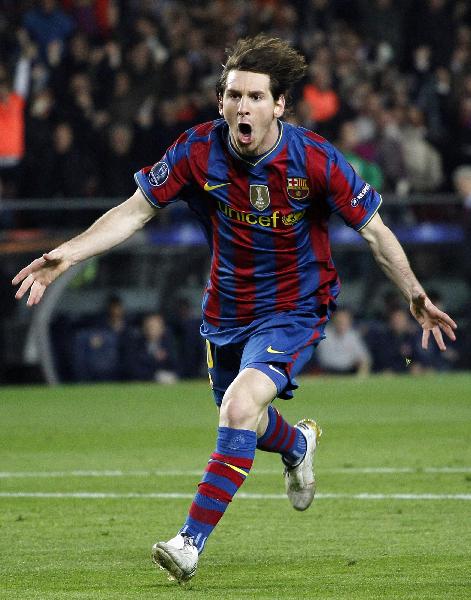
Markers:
(271, 351)
(209, 188)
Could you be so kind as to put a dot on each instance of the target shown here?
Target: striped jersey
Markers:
(265, 218)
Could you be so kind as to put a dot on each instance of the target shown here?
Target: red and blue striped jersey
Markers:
(265, 218)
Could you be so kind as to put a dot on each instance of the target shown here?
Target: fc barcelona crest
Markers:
(259, 196)
(297, 187)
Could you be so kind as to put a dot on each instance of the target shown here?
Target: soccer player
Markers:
(263, 190)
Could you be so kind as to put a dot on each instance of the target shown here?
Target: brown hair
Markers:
(272, 56)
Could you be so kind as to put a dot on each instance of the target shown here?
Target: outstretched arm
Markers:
(114, 227)
(391, 258)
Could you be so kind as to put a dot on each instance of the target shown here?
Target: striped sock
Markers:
(226, 471)
(283, 438)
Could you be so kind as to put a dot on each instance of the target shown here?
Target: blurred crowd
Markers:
(92, 90)
(391, 343)
(116, 345)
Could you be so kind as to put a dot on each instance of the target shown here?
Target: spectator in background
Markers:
(390, 154)
(96, 355)
(98, 348)
(146, 29)
(12, 117)
(394, 348)
(122, 103)
(148, 353)
(382, 23)
(118, 161)
(343, 352)
(39, 126)
(370, 105)
(145, 73)
(76, 58)
(322, 99)
(108, 61)
(423, 162)
(72, 172)
(63, 170)
(347, 142)
(114, 317)
(48, 23)
(434, 27)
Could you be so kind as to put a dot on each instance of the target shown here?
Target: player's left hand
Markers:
(432, 319)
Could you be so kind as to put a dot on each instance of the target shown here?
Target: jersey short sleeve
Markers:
(162, 182)
(348, 195)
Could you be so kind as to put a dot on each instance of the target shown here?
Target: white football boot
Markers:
(178, 556)
(300, 482)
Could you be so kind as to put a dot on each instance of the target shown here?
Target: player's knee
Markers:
(237, 412)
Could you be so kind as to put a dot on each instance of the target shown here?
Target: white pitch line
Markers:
(197, 472)
(244, 496)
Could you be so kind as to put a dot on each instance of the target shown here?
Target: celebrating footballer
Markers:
(263, 190)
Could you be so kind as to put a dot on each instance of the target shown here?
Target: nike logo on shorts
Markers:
(272, 351)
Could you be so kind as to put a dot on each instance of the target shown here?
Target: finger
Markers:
(447, 319)
(448, 330)
(34, 266)
(436, 313)
(24, 287)
(36, 293)
(437, 334)
(21, 275)
(440, 317)
(425, 337)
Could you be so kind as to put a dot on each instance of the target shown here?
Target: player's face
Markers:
(251, 111)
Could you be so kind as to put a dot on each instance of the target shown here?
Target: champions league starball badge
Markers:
(158, 175)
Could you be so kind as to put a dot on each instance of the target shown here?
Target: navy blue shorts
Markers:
(279, 346)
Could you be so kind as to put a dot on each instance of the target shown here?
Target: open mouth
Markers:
(244, 133)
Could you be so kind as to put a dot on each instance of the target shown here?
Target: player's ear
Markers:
(279, 106)
(220, 103)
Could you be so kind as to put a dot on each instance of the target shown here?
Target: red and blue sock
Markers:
(283, 438)
(226, 471)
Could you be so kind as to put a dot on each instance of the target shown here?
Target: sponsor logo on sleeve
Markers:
(159, 173)
(364, 190)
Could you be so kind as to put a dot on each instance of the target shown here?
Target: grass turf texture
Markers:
(342, 548)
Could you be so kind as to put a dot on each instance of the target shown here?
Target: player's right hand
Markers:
(39, 274)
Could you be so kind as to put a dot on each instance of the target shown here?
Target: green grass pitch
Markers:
(392, 518)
